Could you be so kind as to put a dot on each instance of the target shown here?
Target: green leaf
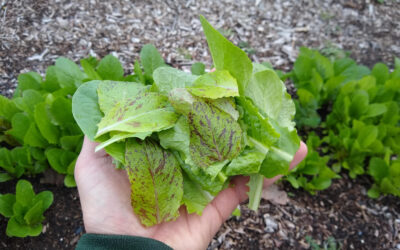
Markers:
(86, 109)
(61, 111)
(227, 105)
(198, 68)
(259, 129)
(69, 181)
(155, 170)
(194, 197)
(20, 124)
(34, 214)
(236, 212)
(324, 66)
(110, 93)
(215, 169)
(378, 169)
(198, 175)
(68, 74)
(397, 63)
(374, 192)
(248, 162)
(6, 205)
(7, 108)
(214, 135)
(255, 189)
(51, 83)
(145, 112)
(50, 132)
(71, 167)
(150, 59)
(293, 181)
(24, 193)
(139, 73)
(60, 159)
(117, 151)
(167, 79)
(214, 85)
(367, 135)
(374, 110)
(34, 138)
(321, 183)
(46, 197)
(281, 153)
(28, 101)
(121, 136)
(388, 187)
(71, 143)
(303, 65)
(227, 56)
(269, 94)
(359, 103)
(14, 228)
(110, 68)
(21, 156)
(30, 80)
(5, 159)
(177, 137)
(355, 72)
(90, 69)
(5, 177)
(342, 64)
(381, 73)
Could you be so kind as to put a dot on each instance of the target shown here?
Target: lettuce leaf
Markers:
(194, 197)
(214, 135)
(214, 85)
(156, 171)
(144, 112)
(86, 108)
(227, 56)
(167, 79)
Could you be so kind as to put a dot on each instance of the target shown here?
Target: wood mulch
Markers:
(33, 33)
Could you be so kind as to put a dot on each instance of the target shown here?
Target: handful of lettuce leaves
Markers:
(183, 137)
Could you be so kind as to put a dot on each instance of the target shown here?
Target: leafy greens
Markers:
(181, 136)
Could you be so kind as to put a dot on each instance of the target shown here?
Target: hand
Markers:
(106, 203)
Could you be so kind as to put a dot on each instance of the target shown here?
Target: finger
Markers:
(89, 148)
(221, 208)
(298, 157)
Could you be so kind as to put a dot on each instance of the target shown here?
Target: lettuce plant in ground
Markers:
(356, 113)
(25, 210)
(37, 128)
(182, 136)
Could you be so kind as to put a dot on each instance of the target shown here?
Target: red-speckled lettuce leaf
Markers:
(144, 112)
(215, 136)
(156, 181)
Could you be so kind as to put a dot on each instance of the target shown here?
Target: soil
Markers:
(33, 33)
(343, 212)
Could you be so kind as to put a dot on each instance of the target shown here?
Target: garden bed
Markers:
(34, 33)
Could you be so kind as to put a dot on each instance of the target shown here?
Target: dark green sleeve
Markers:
(120, 242)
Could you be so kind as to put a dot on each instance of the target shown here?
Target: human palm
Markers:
(106, 204)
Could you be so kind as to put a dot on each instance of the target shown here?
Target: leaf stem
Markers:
(255, 184)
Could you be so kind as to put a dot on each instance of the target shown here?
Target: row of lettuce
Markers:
(350, 117)
(348, 114)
